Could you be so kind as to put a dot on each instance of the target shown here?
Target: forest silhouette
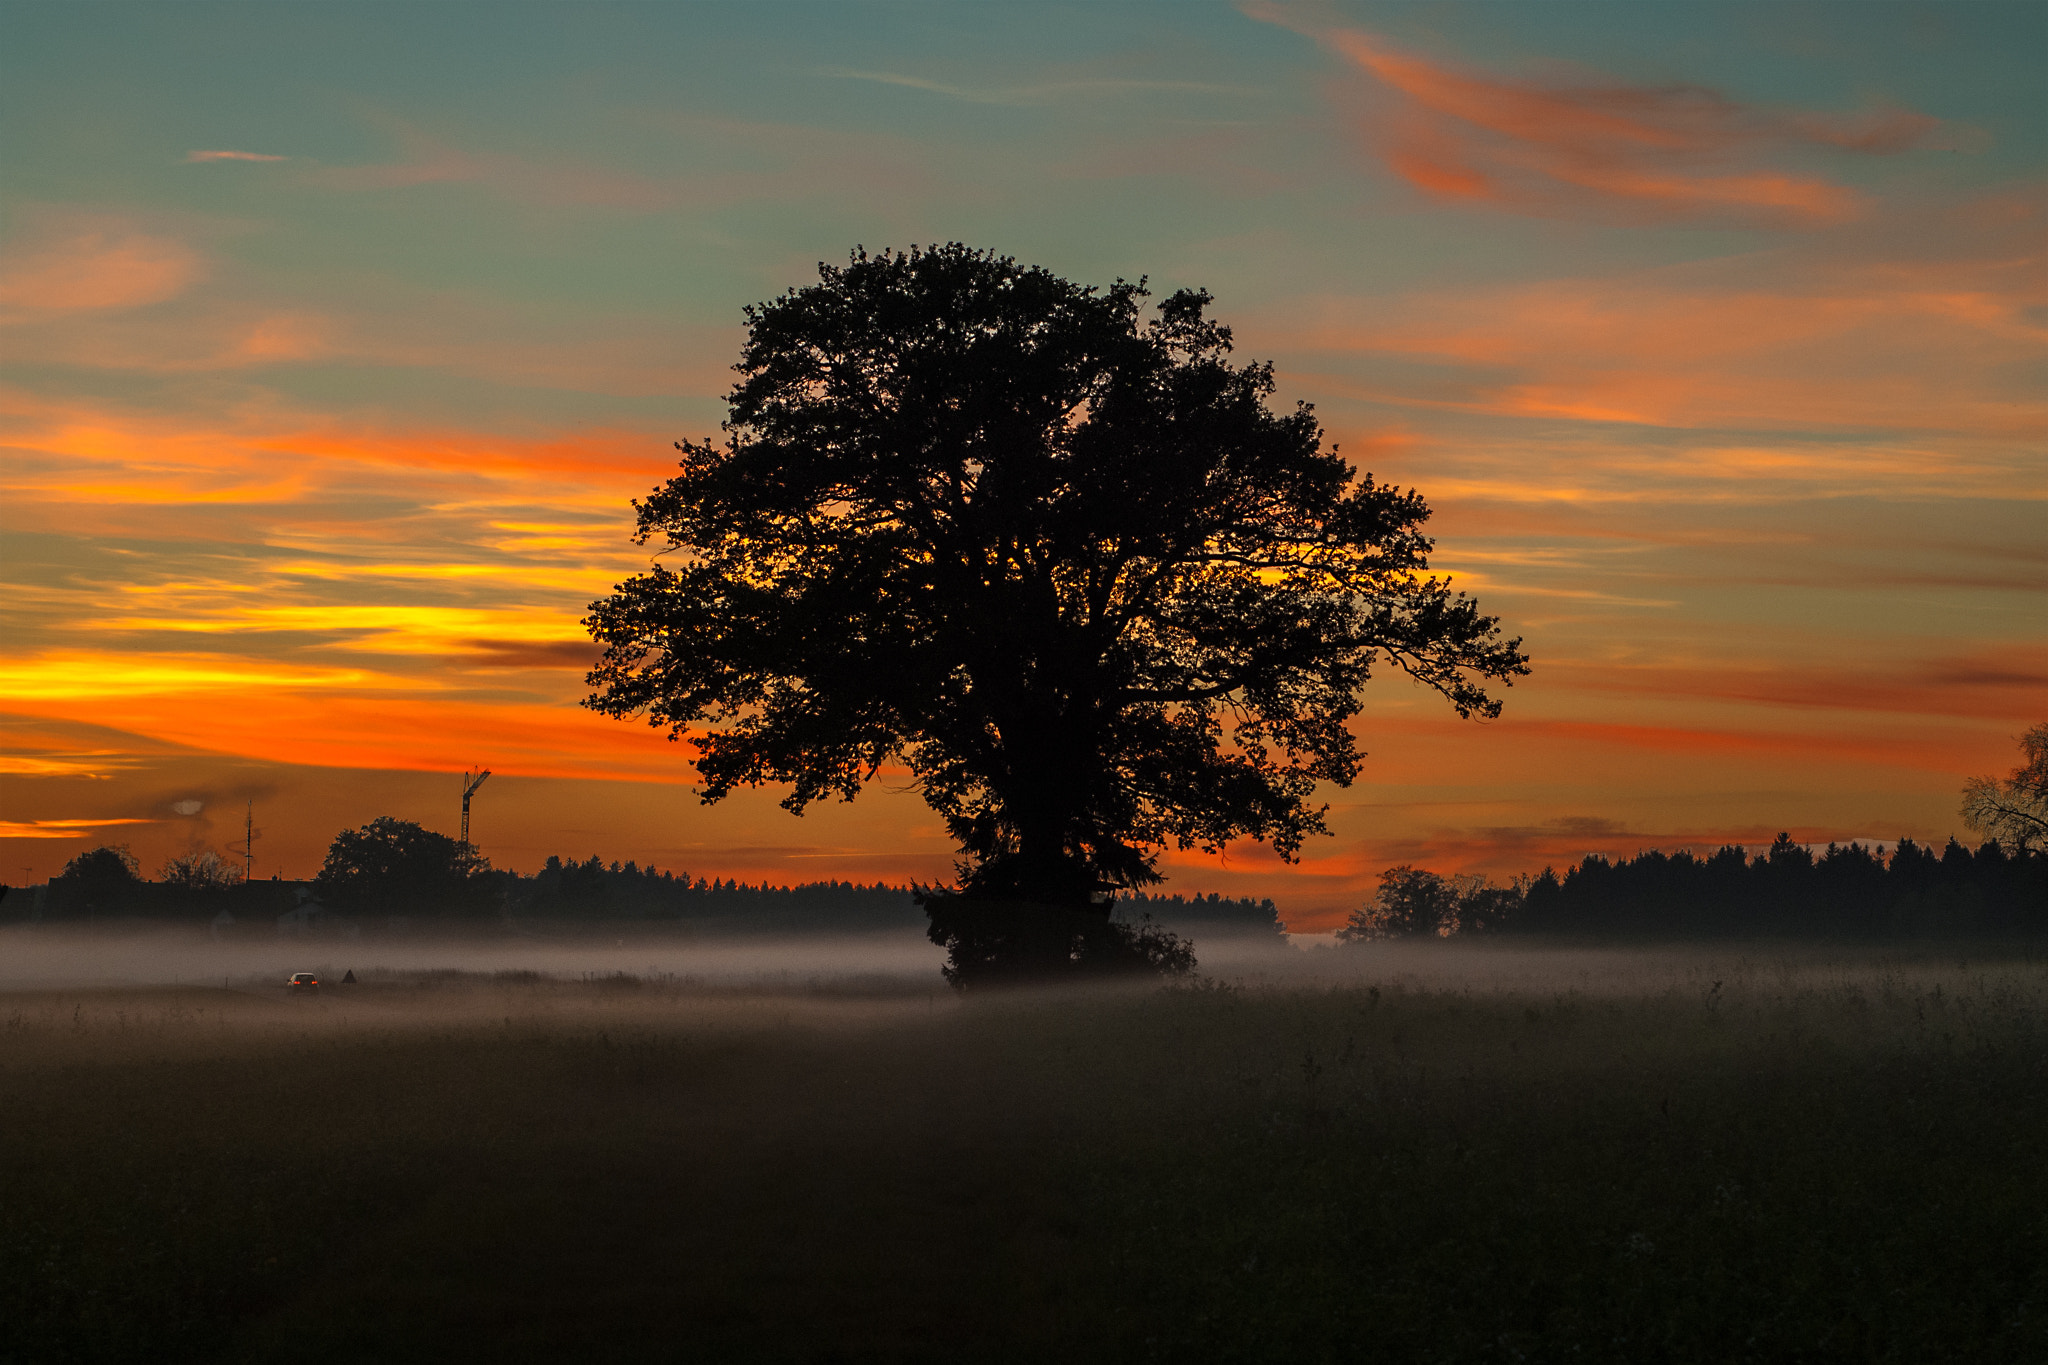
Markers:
(1843, 892)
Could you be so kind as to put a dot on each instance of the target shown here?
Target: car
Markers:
(302, 983)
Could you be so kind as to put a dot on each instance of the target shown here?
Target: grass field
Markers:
(1425, 1154)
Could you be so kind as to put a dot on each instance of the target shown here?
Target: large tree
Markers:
(101, 881)
(396, 867)
(1047, 548)
(199, 871)
(2014, 811)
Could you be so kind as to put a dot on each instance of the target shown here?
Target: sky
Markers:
(337, 340)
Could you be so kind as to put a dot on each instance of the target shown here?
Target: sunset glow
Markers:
(333, 365)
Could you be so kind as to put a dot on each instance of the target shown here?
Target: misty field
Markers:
(1404, 1154)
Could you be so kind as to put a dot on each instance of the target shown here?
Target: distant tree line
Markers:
(394, 869)
(1845, 891)
(1848, 890)
(397, 869)
(1204, 915)
(2001, 887)
(591, 891)
(107, 883)
(594, 891)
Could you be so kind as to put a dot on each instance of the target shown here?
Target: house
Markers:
(304, 916)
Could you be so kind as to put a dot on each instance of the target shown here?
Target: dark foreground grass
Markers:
(1805, 1162)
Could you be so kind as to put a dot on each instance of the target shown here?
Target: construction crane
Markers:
(470, 782)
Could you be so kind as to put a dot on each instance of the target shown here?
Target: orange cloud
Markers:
(93, 460)
(1865, 336)
(92, 679)
(1634, 153)
(233, 156)
(1785, 747)
(72, 264)
(2011, 686)
(286, 336)
(446, 330)
(394, 628)
(326, 584)
(32, 765)
(33, 748)
(60, 829)
(264, 714)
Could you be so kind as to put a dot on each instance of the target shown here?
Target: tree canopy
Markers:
(1046, 547)
(106, 865)
(396, 867)
(101, 875)
(1410, 903)
(199, 871)
(2014, 809)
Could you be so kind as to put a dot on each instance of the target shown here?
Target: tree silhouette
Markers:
(395, 867)
(1411, 903)
(199, 871)
(1054, 556)
(109, 865)
(2013, 810)
(100, 881)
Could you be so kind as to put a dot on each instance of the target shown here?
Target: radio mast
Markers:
(250, 834)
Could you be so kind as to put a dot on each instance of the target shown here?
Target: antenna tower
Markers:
(470, 782)
(250, 834)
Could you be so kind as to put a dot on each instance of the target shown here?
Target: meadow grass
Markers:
(1764, 1154)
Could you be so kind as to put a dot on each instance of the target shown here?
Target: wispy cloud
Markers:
(430, 160)
(2007, 684)
(293, 716)
(60, 829)
(69, 262)
(1605, 148)
(233, 156)
(48, 765)
(73, 676)
(1043, 92)
(396, 598)
(383, 628)
(1850, 337)
(75, 304)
